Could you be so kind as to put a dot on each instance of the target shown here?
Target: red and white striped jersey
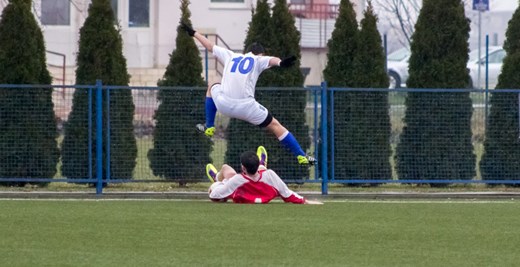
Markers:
(242, 189)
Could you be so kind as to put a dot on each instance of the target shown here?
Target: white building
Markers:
(148, 29)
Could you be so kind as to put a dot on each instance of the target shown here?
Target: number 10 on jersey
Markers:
(243, 64)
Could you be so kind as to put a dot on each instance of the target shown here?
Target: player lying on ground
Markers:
(256, 183)
(235, 95)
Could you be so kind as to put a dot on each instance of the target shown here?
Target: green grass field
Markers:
(201, 233)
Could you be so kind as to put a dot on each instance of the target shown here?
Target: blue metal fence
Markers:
(321, 119)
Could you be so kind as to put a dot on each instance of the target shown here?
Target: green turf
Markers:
(190, 233)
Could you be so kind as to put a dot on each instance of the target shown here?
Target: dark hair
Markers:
(250, 161)
(255, 48)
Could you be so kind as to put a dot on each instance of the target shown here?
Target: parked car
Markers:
(496, 55)
(397, 67)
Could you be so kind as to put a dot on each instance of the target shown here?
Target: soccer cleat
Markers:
(208, 131)
(262, 155)
(211, 172)
(304, 160)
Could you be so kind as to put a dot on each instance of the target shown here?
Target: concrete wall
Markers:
(316, 60)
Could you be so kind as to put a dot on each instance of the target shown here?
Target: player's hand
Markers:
(313, 202)
(188, 29)
(288, 62)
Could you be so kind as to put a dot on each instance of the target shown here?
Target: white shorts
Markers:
(246, 109)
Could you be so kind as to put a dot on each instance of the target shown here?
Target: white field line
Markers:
(440, 201)
(102, 199)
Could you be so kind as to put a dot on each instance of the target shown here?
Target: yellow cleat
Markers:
(211, 172)
(262, 155)
(306, 160)
(208, 131)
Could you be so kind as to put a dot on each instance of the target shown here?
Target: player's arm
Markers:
(201, 38)
(204, 41)
(274, 62)
(222, 190)
(287, 194)
(284, 63)
(313, 202)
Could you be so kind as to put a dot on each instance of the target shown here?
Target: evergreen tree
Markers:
(288, 102)
(436, 141)
(180, 152)
(368, 136)
(28, 147)
(342, 48)
(339, 72)
(260, 31)
(502, 147)
(286, 43)
(284, 103)
(369, 61)
(260, 28)
(100, 57)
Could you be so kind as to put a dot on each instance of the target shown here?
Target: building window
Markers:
(227, 1)
(55, 12)
(139, 13)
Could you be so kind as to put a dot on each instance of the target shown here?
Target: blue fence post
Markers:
(331, 143)
(324, 144)
(206, 62)
(316, 143)
(107, 143)
(486, 113)
(99, 137)
(90, 133)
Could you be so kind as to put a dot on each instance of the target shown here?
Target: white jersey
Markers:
(242, 189)
(240, 72)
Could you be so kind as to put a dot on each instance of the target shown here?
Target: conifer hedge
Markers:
(28, 146)
(180, 152)
(242, 135)
(502, 146)
(368, 135)
(339, 72)
(436, 140)
(285, 103)
(100, 57)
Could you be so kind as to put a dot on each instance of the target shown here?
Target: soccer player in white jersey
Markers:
(256, 183)
(235, 95)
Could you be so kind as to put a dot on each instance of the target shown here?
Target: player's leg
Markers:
(211, 111)
(289, 141)
(258, 115)
(226, 172)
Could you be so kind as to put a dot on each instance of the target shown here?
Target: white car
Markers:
(397, 67)
(496, 55)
